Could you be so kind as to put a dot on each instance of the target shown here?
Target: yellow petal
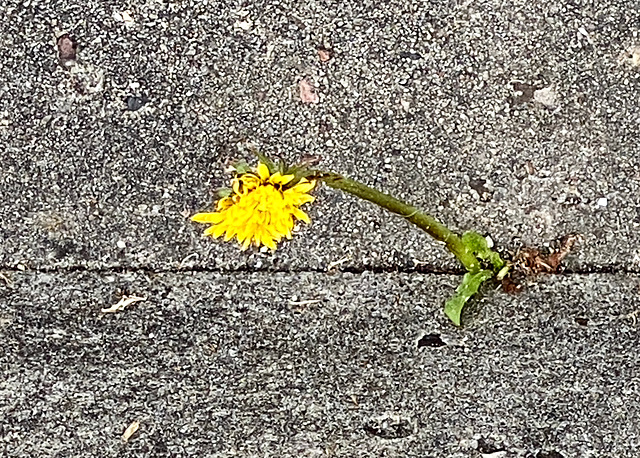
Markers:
(297, 199)
(304, 186)
(263, 171)
(268, 242)
(219, 230)
(224, 203)
(302, 216)
(242, 236)
(209, 231)
(230, 233)
(235, 185)
(278, 178)
(249, 182)
(207, 218)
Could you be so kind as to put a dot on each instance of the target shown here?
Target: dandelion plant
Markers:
(263, 205)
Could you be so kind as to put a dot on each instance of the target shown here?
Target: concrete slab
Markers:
(519, 121)
(306, 364)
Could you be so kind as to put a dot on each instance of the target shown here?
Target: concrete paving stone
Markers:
(309, 365)
(518, 120)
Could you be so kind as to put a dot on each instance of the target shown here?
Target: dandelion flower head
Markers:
(261, 209)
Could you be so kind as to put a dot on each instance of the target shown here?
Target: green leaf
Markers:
(241, 167)
(478, 245)
(470, 284)
(299, 171)
(224, 192)
(475, 242)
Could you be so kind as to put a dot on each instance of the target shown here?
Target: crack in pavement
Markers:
(588, 270)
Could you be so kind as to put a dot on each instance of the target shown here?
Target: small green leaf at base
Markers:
(478, 245)
(470, 284)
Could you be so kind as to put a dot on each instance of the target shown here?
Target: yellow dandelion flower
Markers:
(261, 209)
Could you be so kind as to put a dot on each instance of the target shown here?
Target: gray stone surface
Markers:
(306, 364)
(419, 99)
(518, 119)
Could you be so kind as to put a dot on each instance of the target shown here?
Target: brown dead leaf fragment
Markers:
(309, 160)
(566, 244)
(532, 261)
(308, 92)
(130, 431)
(324, 54)
(67, 47)
(511, 286)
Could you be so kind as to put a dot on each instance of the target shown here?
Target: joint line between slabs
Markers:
(425, 270)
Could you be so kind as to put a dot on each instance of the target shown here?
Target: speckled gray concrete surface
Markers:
(432, 101)
(519, 119)
(311, 365)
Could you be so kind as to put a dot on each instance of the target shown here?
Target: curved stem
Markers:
(425, 222)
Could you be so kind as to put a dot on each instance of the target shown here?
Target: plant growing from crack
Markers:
(262, 206)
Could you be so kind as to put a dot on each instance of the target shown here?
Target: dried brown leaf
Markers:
(308, 92)
(324, 54)
(566, 244)
(532, 261)
(511, 286)
(67, 47)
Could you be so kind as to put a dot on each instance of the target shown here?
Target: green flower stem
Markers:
(425, 222)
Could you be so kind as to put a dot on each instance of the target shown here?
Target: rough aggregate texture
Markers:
(263, 364)
(435, 102)
(518, 119)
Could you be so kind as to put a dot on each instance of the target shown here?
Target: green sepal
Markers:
(470, 284)
(241, 167)
(224, 192)
(299, 171)
(478, 245)
(273, 168)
